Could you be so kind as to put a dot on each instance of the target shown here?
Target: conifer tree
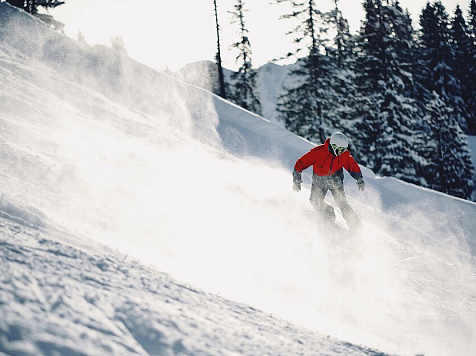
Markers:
(447, 163)
(463, 65)
(471, 101)
(452, 172)
(342, 48)
(341, 92)
(438, 57)
(369, 73)
(31, 6)
(244, 91)
(384, 79)
(301, 106)
(472, 19)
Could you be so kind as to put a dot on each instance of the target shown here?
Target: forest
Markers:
(405, 96)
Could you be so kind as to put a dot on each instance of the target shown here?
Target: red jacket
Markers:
(326, 163)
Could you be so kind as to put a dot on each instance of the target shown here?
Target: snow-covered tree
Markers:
(32, 5)
(341, 91)
(301, 106)
(342, 49)
(438, 56)
(471, 99)
(447, 165)
(452, 172)
(385, 81)
(244, 91)
(463, 65)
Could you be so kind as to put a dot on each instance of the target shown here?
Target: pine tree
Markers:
(368, 68)
(447, 163)
(384, 78)
(452, 172)
(301, 106)
(31, 6)
(244, 92)
(342, 48)
(439, 59)
(461, 43)
(472, 19)
(471, 90)
(341, 92)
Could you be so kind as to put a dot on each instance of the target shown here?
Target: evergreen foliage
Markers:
(447, 162)
(445, 109)
(385, 83)
(438, 56)
(302, 106)
(32, 6)
(342, 48)
(471, 90)
(404, 99)
(244, 91)
(463, 65)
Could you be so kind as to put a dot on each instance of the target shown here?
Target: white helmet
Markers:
(339, 142)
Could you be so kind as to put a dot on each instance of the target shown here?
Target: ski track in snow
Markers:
(53, 295)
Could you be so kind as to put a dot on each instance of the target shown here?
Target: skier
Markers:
(328, 160)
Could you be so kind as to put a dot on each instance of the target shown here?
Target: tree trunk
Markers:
(221, 77)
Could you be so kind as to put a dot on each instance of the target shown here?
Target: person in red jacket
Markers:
(328, 161)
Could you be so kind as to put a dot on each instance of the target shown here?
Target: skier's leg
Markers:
(319, 189)
(337, 190)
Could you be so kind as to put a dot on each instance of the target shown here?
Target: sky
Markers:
(161, 34)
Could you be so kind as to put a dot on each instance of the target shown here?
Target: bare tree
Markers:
(221, 77)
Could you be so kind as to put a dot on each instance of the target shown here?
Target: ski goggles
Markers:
(339, 150)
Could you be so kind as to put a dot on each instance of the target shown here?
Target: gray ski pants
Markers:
(319, 188)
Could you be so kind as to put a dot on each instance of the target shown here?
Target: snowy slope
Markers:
(270, 83)
(102, 156)
(60, 300)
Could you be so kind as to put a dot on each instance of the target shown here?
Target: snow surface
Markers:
(66, 301)
(111, 172)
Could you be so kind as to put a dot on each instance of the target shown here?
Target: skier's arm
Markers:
(301, 164)
(353, 168)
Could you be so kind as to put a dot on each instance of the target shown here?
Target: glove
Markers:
(361, 184)
(296, 181)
